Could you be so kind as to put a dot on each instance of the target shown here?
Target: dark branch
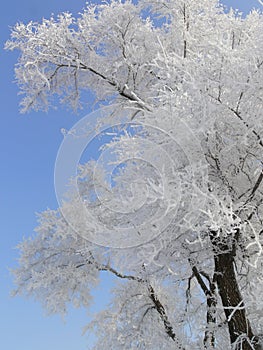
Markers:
(161, 311)
(209, 338)
(152, 294)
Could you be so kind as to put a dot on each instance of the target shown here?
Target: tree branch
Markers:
(152, 294)
(161, 311)
(209, 338)
(122, 91)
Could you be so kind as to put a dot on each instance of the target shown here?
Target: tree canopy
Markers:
(180, 222)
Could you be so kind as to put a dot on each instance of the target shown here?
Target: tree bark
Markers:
(240, 331)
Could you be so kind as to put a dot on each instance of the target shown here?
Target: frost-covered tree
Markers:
(197, 281)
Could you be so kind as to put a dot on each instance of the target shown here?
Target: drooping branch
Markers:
(161, 311)
(75, 63)
(157, 305)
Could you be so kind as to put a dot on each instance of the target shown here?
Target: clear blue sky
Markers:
(28, 149)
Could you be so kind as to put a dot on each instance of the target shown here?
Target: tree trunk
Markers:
(238, 324)
(240, 331)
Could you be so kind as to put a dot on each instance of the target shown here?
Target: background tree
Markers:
(198, 281)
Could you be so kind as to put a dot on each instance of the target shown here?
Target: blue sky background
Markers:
(28, 148)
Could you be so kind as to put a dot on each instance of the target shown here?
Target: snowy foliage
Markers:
(176, 59)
